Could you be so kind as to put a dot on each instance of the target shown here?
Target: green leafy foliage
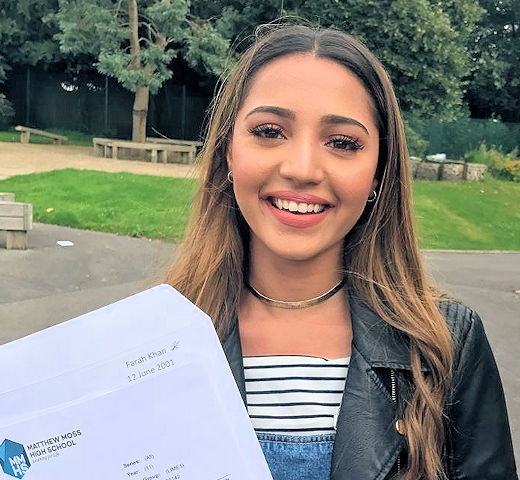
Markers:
(417, 145)
(422, 43)
(6, 112)
(494, 87)
(206, 49)
(457, 137)
(135, 42)
(103, 30)
(24, 38)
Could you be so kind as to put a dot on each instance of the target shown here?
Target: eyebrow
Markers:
(340, 120)
(326, 120)
(279, 111)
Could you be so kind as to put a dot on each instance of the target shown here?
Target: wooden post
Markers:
(24, 136)
(16, 219)
(163, 156)
(6, 197)
(16, 240)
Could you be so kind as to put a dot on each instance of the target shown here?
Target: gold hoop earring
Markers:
(372, 197)
(230, 176)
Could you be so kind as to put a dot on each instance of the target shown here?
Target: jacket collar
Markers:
(233, 350)
(380, 344)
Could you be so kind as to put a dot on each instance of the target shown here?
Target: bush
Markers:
(465, 134)
(416, 144)
(6, 112)
(480, 155)
(504, 166)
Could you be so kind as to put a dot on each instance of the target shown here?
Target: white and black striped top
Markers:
(293, 394)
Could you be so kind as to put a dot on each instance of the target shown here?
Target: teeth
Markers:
(300, 207)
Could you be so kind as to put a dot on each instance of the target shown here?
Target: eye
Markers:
(344, 142)
(267, 130)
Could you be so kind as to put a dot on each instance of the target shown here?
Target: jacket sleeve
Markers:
(479, 445)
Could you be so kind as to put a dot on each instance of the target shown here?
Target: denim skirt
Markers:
(298, 458)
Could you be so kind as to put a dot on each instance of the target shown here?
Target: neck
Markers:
(288, 280)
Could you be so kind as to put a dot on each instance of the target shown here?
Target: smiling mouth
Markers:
(296, 207)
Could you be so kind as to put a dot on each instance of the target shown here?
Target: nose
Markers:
(302, 163)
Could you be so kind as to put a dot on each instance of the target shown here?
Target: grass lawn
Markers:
(450, 215)
(468, 215)
(123, 203)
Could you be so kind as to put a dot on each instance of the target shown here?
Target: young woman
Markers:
(302, 250)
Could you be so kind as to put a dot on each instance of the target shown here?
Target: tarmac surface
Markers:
(48, 283)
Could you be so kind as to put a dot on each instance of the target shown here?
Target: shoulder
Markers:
(472, 354)
(462, 321)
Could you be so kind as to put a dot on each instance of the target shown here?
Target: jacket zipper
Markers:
(393, 387)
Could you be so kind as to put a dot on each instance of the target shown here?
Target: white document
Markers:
(140, 389)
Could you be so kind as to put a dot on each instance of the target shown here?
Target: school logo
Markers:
(13, 459)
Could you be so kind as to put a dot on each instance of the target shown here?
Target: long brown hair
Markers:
(381, 257)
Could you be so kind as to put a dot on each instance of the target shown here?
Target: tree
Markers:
(422, 43)
(6, 107)
(495, 84)
(135, 41)
(25, 39)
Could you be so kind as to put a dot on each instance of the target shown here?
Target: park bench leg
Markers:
(163, 156)
(24, 137)
(16, 240)
(153, 155)
(114, 151)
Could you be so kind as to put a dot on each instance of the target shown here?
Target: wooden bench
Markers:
(102, 147)
(16, 219)
(25, 133)
(109, 148)
(192, 145)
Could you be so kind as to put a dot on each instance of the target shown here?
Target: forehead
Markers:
(299, 80)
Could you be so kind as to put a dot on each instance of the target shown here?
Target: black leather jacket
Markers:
(367, 445)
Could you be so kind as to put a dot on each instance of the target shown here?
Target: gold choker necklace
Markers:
(302, 303)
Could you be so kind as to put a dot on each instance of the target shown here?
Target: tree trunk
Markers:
(142, 94)
(139, 113)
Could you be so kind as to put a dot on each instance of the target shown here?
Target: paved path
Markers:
(18, 159)
(48, 284)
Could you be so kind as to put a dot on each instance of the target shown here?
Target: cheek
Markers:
(249, 166)
(355, 183)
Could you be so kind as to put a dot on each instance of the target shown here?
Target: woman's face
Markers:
(303, 154)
